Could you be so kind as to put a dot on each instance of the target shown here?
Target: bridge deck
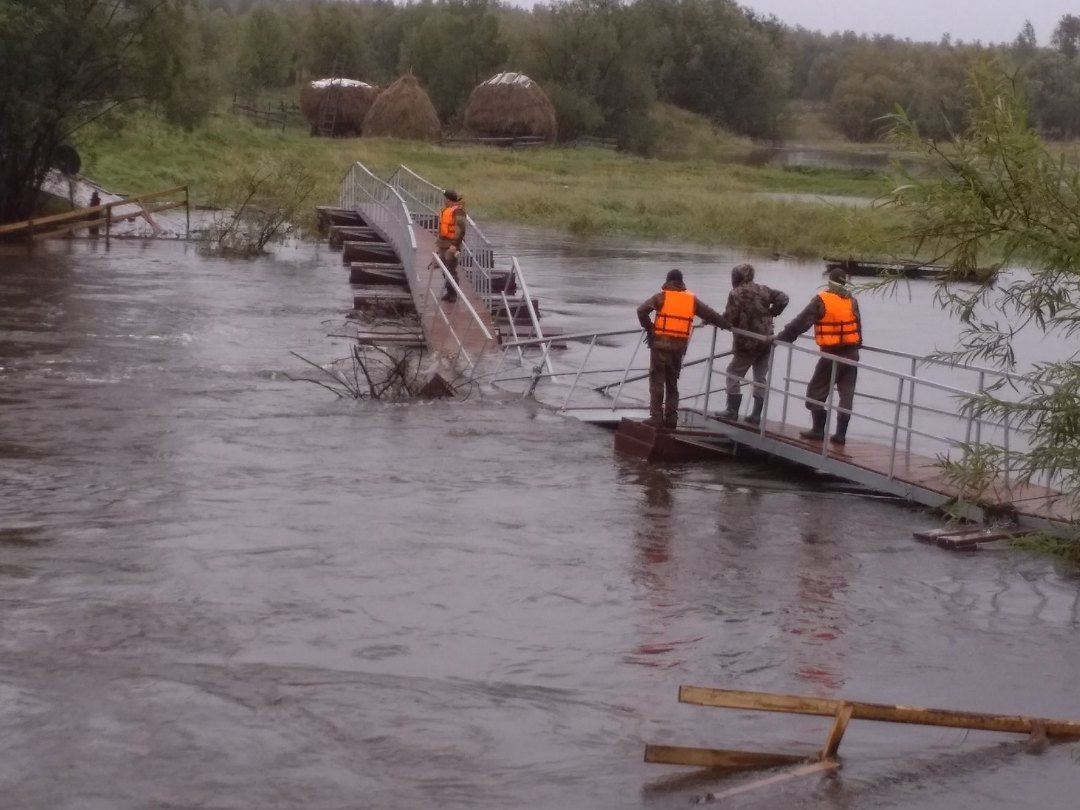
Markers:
(909, 475)
(426, 283)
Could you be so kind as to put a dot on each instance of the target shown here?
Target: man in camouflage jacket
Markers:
(751, 307)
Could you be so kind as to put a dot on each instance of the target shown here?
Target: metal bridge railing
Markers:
(384, 207)
(424, 200)
(917, 406)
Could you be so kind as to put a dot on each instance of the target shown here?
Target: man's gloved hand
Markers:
(648, 338)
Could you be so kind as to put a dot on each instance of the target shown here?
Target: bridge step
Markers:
(382, 301)
(376, 273)
(518, 310)
(339, 234)
(329, 215)
(367, 252)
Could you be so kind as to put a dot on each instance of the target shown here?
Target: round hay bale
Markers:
(403, 110)
(354, 99)
(510, 105)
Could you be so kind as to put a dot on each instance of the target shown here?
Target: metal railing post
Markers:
(708, 372)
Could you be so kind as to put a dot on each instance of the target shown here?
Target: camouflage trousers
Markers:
(817, 390)
(665, 365)
(741, 362)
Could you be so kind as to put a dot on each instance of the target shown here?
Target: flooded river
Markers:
(222, 589)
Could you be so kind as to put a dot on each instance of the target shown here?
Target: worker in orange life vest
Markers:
(452, 221)
(834, 314)
(668, 335)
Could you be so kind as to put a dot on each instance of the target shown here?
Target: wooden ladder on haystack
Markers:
(328, 110)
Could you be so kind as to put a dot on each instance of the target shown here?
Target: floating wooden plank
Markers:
(880, 712)
(803, 770)
(717, 757)
(967, 538)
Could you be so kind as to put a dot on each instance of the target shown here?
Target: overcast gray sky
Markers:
(924, 20)
(969, 20)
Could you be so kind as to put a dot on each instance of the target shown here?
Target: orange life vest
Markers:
(676, 316)
(447, 225)
(838, 326)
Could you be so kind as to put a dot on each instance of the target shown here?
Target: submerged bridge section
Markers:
(386, 230)
(912, 421)
(912, 424)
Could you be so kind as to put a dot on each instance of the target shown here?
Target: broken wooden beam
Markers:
(880, 712)
(717, 757)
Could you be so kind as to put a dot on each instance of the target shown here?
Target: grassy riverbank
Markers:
(703, 195)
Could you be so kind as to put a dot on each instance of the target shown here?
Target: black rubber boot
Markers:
(734, 402)
(817, 429)
(840, 437)
(755, 415)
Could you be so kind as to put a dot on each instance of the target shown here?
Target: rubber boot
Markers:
(840, 437)
(755, 415)
(817, 429)
(734, 402)
(655, 420)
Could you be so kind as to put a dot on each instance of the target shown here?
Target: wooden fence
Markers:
(95, 218)
(280, 114)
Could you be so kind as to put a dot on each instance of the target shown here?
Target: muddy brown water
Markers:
(223, 589)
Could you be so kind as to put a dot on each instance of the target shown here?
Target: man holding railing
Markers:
(751, 307)
(452, 221)
(834, 314)
(667, 336)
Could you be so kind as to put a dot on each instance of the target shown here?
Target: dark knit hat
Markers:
(452, 195)
(674, 276)
(838, 275)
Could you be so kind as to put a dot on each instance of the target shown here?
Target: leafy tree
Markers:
(1066, 36)
(997, 194)
(266, 49)
(457, 46)
(64, 63)
(336, 32)
(721, 63)
(859, 102)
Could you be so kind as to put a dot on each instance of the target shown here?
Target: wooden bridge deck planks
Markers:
(424, 279)
(922, 472)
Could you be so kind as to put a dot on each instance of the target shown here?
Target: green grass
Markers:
(709, 198)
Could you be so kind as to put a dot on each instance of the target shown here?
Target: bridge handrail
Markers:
(428, 200)
(1012, 435)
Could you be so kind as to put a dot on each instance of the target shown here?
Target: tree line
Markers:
(605, 64)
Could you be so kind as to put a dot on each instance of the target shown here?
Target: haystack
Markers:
(403, 110)
(510, 105)
(354, 99)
